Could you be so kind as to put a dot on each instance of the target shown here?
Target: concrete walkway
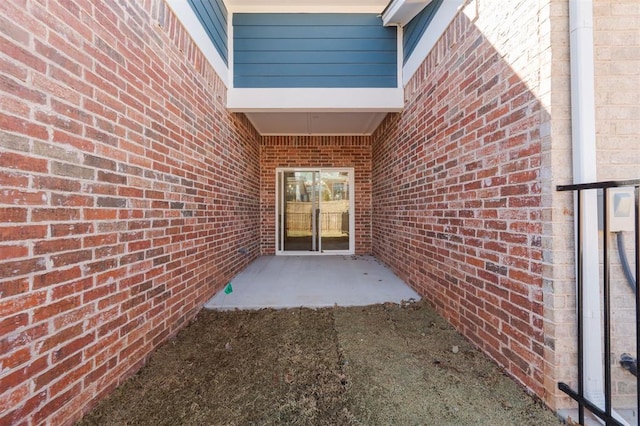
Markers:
(312, 281)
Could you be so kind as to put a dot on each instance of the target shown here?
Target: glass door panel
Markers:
(314, 211)
(299, 207)
(333, 194)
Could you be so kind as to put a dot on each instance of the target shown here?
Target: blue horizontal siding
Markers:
(326, 57)
(310, 82)
(212, 14)
(416, 28)
(325, 70)
(306, 19)
(304, 45)
(313, 50)
(302, 31)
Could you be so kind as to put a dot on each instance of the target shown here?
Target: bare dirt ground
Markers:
(378, 365)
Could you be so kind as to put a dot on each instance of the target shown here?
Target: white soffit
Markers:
(315, 123)
(315, 100)
(292, 111)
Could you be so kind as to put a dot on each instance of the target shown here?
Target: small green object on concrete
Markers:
(228, 289)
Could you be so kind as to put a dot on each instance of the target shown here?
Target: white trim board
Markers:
(315, 99)
(443, 17)
(192, 25)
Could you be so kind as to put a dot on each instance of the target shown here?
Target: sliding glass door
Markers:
(314, 211)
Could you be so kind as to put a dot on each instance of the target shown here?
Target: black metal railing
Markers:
(607, 414)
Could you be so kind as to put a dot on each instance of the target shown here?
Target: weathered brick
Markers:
(71, 170)
(59, 122)
(18, 161)
(100, 214)
(52, 246)
(12, 398)
(24, 409)
(13, 287)
(71, 258)
(55, 55)
(12, 179)
(99, 162)
(62, 230)
(54, 214)
(56, 308)
(111, 202)
(13, 214)
(56, 183)
(14, 142)
(99, 136)
(12, 30)
(22, 55)
(53, 151)
(21, 375)
(75, 141)
(14, 69)
(60, 337)
(21, 197)
(11, 324)
(64, 290)
(12, 252)
(56, 403)
(114, 178)
(71, 200)
(21, 267)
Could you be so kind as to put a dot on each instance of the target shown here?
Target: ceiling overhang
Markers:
(315, 99)
(316, 123)
(313, 111)
(301, 111)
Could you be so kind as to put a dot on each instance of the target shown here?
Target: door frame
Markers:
(352, 217)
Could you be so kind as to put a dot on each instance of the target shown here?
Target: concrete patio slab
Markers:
(313, 281)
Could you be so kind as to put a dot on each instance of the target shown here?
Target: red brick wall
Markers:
(126, 193)
(316, 151)
(457, 201)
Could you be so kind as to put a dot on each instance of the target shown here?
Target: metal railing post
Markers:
(608, 415)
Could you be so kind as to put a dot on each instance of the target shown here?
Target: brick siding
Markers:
(126, 193)
(617, 83)
(617, 90)
(129, 195)
(456, 190)
(316, 151)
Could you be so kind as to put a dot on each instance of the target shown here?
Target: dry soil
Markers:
(377, 365)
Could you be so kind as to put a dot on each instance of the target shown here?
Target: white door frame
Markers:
(280, 206)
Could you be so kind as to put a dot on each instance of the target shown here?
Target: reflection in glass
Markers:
(315, 208)
(334, 210)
